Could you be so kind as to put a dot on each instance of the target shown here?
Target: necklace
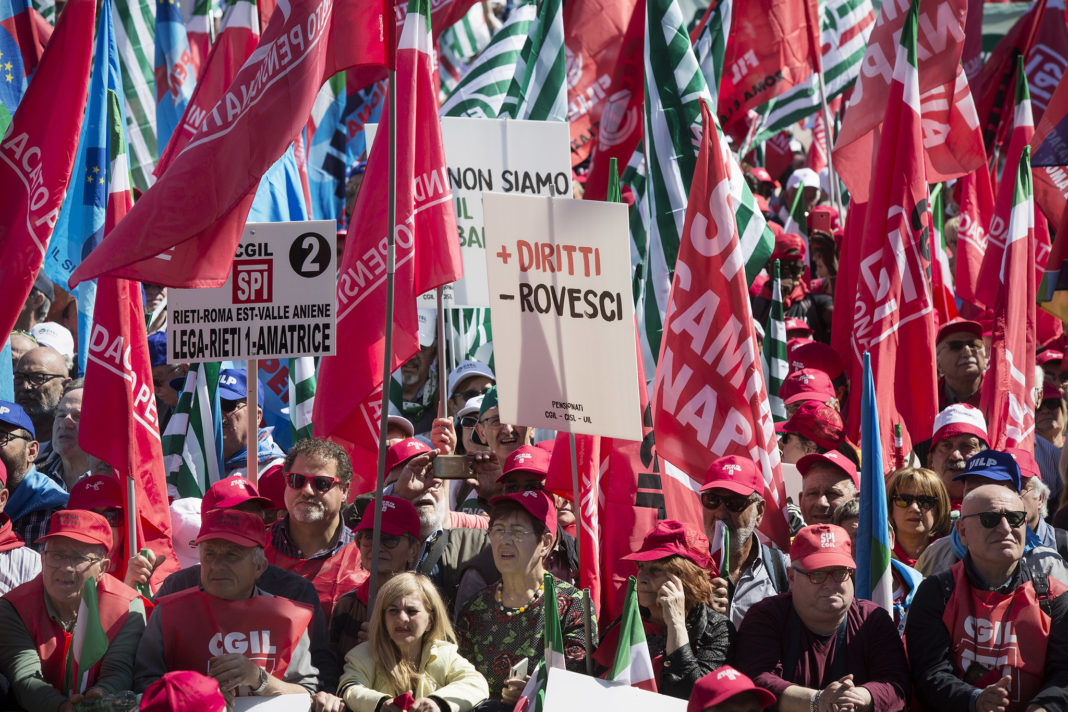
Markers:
(516, 611)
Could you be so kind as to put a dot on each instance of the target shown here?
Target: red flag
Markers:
(709, 397)
(953, 144)
(976, 202)
(773, 45)
(37, 154)
(427, 255)
(443, 14)
(816, 159)
(199, 206)
(1049, 157)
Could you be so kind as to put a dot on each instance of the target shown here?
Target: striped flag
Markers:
(710, 44)
(90, 641)
(533, 695)
(633, 665)
(471, 335)
(482, 89)
(874, 581)
(176, 71)
(539, 86)
(200, 31)
(192, 442)
(941, 275)
(302, 378)
(137, 50)
(458, 44)
(47, 8)
(776, 366)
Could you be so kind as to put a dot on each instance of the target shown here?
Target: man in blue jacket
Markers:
(33, 496)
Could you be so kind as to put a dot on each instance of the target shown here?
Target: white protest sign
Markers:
(278, 302)
(566, 690)
(562, 314)
(280, 703)
(501, 156)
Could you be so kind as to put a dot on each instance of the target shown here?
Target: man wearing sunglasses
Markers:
(961, 358)
(817, 647)
(33, 495)
(233, 399)
(468, 380)
(733, 494)
(991, 633)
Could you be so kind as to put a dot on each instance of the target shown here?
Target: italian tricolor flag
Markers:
(90, 641)
(533, 696)
(633, 665)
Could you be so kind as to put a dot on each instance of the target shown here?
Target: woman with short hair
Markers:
(919, 511)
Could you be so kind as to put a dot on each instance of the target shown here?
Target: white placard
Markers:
(500, 156)
(279, 703)
(562, 314)
(566, 690)
(279, 301)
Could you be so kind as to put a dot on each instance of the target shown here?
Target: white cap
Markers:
(803, 176)
(466, 370)
(825, 182)
(473, 405)
(428, 326)
(796, 146)
(185, 526)
(55, 336)
(395, 418)
(959, 419)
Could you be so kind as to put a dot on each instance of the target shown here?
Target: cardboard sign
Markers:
(562, 314)
(281, 703)
(278, 302)
(566, 690)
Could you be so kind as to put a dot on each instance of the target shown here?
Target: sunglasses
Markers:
(819, 577)
(388, 541)
(924, 502)
(958, 345)
(734, 503)
(320, 483)
(469, 421)
(471, 393)
(992, 519)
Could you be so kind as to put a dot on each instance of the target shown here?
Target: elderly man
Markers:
(733, 494)
(807, 384)
(501, 440)
(991, 633)
(251, 642)
(1035, 496)
(959, 433)
(827, 480)
(67, 463)
(961, 359)
(18, 562)
(812, 428)
(468, 380)
(233, 400)
(817, 647)
(39, 379)
(1051, 418)
(34, 497)
(39, 618)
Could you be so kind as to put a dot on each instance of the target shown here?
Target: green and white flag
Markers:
(482, 89)
(90, 642)
(47, 8)
(711, 46)
(633, 665)
(192, 441)
(776, 365)
(135, 39)
(302, 378)
(539, 87)
(470, 335)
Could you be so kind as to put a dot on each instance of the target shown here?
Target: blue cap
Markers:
(13, 415)
(157, 348)
(993, 465)
(233, 385)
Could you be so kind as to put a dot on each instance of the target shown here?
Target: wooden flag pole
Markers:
(443, 369)
(252, 399)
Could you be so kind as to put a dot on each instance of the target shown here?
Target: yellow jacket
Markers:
(445, 674)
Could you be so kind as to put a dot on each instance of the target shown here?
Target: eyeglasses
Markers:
(388, 540)
(229, 406)
(819, 577)
(469, 421)
(320, 483)
(734, 503)
(59, 560)
(471, 393)
(35, 379)
(955, 345)
(924, 502)
(992, 519)
(6, 438)
(501, 533)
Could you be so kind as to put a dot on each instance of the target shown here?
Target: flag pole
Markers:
(252, 400)
(387, 359)
(443, 369)
(828, 128)
(131, 516)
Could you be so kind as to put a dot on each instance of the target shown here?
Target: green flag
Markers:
(776, 365)
(135, 39)
(192, 441)
(302, 380)
(539, 87)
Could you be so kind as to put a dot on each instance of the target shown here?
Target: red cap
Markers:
(819, 356)
(1026, 461)
(183, 690)
(95, 491)
(547, 445)
(817, 422)
(527, 458)
(821, 546)
(806, 384)
(1051, 392)
(734, 474)
(403, 451)
(272, 485)
(537, 503)
(722, 684)
(788, 246)
(1049, 356)
(80, 525)
(832, 457)
(762, 175)
(761, 202)
(398, 517)
(795, 324)
(233, 525)
(955, 326)
(795, 341)
(672, 538)
(231, 492)
(776, 228)
(959, 419)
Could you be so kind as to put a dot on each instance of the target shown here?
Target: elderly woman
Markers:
(686, 637)
(504, 622)
(412, 649)
(919, 511)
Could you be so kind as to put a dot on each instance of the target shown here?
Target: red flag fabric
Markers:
(199, 206)
(620, 127)
(1049, 152)
(427, 255)
(709, 397)
(37, 154)
(773, 45)
(976, 202)
(971, 59)
(845, 292)
(443, 14)
(952, 142)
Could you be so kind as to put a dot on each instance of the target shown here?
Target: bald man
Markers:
(39, 379)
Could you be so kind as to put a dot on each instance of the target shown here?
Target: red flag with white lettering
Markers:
(709, 397)
(976, 202)
(427, 254)
(37, 154)
(199, 206)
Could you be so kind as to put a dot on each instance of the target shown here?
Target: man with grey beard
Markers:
(959, 433)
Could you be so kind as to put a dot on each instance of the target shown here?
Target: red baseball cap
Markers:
(806, 384)
(959, 419)
(734, 474)
(398, 517)
(528, 458)
(955, 326)
(821, 546)
(183, 690)
(95, 491)
(761, 202)
(817, 422)
(231, 492)
(788, 246)
(403, 451)
(762, 175)
(831, 457)
(672, 538)
(1049, 356)
(814, 354)
(722, 684)
(79, 525)
(537, 503)
(1026, 462)
(272, 485)
(776, 228)
(233, 525)
(793, 323)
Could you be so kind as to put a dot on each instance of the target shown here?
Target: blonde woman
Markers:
(411, 649)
